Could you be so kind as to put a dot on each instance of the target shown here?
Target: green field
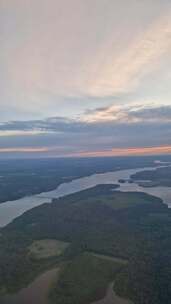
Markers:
(46, 248)
(109, 258)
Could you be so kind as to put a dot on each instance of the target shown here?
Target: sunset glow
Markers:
(127, 152)
(90, 76)
(53, 151)
(23, 150)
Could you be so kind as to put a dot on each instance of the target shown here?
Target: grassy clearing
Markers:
(47, 248)
(109, 258)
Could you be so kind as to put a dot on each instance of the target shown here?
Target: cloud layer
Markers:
(100, 70)
(81, 50)
(104, 131)
(130, 114)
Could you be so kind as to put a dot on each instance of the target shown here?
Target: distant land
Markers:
(95, 238)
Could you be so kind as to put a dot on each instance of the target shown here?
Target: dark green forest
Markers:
(128, 225)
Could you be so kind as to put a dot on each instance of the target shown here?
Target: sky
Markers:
(85, 78)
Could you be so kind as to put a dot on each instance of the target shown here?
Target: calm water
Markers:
(12, 209)
(112, 298)
(35, 293)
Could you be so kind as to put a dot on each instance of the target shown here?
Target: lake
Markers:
(112, 298)
(36, 292)
(12, 209)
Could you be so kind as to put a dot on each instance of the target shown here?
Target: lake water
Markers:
(12, 209)
(35, 293)
(112, 298)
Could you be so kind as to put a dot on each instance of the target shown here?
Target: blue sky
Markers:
(84, 77)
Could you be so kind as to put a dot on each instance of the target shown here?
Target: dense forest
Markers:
(132, 226)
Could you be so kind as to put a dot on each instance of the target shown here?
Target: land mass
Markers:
(84, 228)
(153, 178)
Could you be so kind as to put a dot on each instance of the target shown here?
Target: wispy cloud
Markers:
(100, 70)
(24, 150)
(55, 151)
(123, 72)
(130, 114)
(125, 152)
(79, 48)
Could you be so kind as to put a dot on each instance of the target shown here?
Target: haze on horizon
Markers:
(85, 78)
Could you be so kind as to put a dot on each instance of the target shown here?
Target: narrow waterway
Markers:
(112, 298)
(36, 292)
(12, 209)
